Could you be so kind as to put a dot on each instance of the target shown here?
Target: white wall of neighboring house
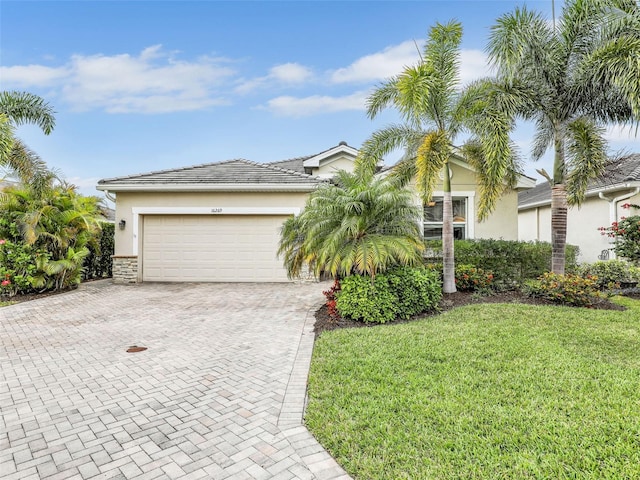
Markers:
(582, 224)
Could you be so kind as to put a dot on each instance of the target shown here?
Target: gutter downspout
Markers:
(613, 204)
(109, 196)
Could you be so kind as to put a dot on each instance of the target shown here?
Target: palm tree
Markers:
(434, 113)
(359, 224)
(17, 108)
(571, 80)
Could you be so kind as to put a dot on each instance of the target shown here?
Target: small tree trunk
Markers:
(558, 227)
(448, 262)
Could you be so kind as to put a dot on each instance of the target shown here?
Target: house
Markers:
(605, 196)
(220, 222)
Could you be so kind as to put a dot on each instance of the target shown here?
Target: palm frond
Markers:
(586, 156)
(25, 107)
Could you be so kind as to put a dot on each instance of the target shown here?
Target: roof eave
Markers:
(222, 187)
(594, 192)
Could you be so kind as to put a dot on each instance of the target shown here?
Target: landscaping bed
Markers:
(325, 322)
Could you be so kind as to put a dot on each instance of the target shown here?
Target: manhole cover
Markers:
(135, 348)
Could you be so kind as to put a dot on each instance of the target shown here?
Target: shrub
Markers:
(469, 278)
(627, 235)
(331, 300)
(609, 273)
(367, 300)
(472, 279)
(564, 289)
(511, 262)
(17, 267)
(98, 263)
(398, 293)
(418, 290)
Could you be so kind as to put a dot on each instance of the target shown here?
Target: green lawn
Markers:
(5, 304)
(483, 392)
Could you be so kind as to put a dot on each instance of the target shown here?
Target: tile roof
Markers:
(220, 173)
(295, 164)
(618, 172)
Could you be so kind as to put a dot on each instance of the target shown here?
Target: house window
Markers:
(433, 218)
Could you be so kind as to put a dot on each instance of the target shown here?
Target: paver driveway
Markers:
(218, 394)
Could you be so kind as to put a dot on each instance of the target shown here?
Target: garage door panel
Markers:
(223, 248)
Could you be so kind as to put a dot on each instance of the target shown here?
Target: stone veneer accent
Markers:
(125, 269)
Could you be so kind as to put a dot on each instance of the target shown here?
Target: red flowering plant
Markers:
(331, 300)
(626, 233)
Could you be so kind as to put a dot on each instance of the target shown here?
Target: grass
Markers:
(483, 392)
(5, 304)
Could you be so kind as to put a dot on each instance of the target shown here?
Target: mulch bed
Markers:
(452, 300)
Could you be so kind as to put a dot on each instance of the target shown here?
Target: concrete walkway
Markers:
(219, 392)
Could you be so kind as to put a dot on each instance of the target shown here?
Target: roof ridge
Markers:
(284, 170)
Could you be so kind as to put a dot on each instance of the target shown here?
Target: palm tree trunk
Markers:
(448, 262)
(558, 227)
(558, 207)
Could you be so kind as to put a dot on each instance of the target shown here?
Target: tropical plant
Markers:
(434, 113)
(57, 221)
(570, 80)
(17, 108)
(360, 224)
(626, 233)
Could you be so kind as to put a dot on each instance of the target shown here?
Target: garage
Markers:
(213, 222)
(211, 248)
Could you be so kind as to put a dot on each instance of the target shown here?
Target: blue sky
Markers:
(148, 85)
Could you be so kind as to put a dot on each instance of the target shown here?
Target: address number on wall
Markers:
(216, 210)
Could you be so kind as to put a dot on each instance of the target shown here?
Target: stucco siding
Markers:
(329, 167)
(582, 225)
(127, 201)
(503, 222)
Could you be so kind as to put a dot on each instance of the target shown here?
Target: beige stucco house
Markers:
(220, 222)
(619, 184)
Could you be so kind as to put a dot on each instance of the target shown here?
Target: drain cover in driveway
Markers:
(135, 348)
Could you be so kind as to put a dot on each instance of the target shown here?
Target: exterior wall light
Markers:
(122, 223)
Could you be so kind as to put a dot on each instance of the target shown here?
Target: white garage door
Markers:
(212, 248)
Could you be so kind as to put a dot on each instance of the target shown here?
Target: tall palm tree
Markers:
(358, 224)
(434, 113)
(571, 80)
(17, 108)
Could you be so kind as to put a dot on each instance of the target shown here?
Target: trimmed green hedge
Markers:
(398, 293)
(511, 262)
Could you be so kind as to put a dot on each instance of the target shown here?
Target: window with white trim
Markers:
(432, 220)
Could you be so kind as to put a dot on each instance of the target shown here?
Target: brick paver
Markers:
(218, 394)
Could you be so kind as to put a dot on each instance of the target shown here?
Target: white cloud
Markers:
(286, 73)
(474, 64)
(316, 104)
(290, 73)
(392, 60)
(22, 76)
(378, 66)
(151, 82)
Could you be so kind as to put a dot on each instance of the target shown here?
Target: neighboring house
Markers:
(619, 184)
(220, 222)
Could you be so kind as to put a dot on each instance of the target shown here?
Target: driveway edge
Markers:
(313, 455)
